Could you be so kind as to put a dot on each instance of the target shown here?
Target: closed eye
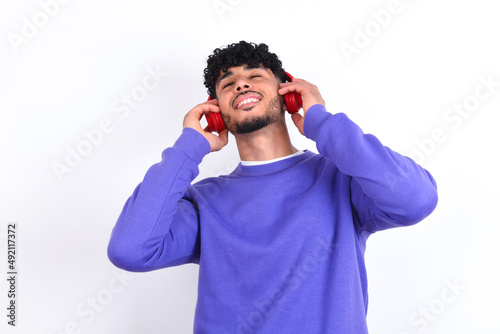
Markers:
(230, 83)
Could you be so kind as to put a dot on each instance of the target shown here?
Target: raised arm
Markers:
(387, 189)
(159, 224)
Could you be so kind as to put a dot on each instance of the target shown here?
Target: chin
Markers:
(252, 125)
(256, 117)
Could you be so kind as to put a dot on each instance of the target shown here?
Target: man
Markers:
(280, 241)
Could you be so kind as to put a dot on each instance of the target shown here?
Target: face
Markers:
(248, 98)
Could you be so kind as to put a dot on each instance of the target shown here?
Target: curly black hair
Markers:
(238, 54)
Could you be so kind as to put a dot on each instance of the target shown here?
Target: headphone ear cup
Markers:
(214, 120)
(293, 100)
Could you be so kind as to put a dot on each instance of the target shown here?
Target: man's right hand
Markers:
(192, 120)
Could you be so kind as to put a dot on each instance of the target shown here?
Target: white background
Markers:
(63, 79)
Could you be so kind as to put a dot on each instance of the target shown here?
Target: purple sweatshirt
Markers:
(280, 246)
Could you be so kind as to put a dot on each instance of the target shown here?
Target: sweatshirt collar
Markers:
(272, 166)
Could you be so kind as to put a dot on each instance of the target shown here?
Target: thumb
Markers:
(224, 137)
(298, 120)
(221, 140)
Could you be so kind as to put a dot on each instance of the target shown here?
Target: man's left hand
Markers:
(310, 96)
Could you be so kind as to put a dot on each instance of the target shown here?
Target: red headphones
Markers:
(293, 102)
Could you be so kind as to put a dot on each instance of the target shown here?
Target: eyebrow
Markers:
(229, 73)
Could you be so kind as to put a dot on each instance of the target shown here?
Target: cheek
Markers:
(225, 102)
(224, 105)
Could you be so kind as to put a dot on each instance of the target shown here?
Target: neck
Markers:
(268, 143)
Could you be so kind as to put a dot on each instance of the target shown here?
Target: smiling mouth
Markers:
(245, 102)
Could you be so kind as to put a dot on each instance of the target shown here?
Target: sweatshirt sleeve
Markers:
(159, 224)
(387, 189)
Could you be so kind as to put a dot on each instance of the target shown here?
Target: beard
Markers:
(274, 114)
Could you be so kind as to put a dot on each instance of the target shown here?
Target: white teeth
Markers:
(245, 101)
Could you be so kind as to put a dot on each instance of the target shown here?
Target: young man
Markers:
(280, 241)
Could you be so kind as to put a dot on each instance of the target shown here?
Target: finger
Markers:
(297, 82)
(202, 109)
(208, 107)
(193, 117)
(290, 87)
(296, 117)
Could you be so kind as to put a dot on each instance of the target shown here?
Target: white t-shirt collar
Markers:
(256, 163)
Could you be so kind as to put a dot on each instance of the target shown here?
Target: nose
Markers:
(240, 88)
(242, 83)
